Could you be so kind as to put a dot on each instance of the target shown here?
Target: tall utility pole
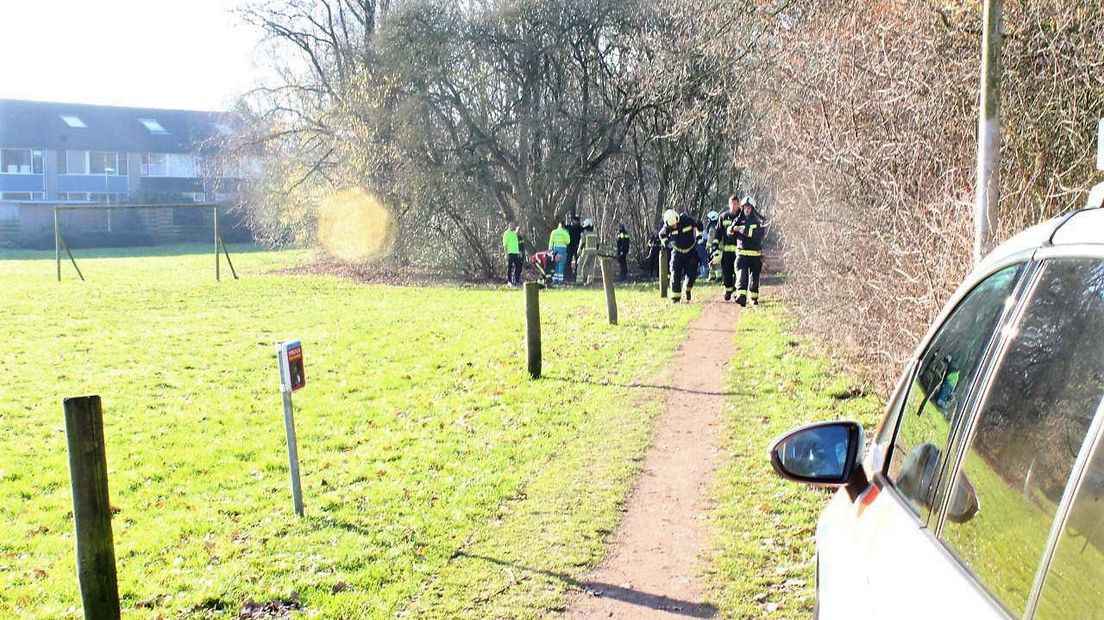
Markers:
(988, 160)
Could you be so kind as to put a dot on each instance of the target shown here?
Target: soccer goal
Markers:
(60, 244)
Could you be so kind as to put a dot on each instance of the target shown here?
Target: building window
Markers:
(178, 165)
(22, 195)
(73, 196)
(73, 121)
(108, 163)
(152, 125)
(112, 198)
(195, 196)
(20, 161)
(73, 162)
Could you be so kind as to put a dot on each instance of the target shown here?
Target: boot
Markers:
(688, 294)
(741, 300)
(728, 295)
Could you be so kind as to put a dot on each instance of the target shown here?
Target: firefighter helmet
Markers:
(712, 216)
(748, 200)
(588, 223)
(670, 217)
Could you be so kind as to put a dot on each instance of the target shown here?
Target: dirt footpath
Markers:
(653, 570)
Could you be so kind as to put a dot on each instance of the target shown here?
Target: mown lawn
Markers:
(439, 481)
(762, 526)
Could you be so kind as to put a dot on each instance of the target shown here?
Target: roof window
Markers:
(152, 125)
(73, 121)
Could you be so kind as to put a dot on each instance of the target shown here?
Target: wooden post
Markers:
(533, 328)
(91, 508)
(57, 245)
(607, 283)
(664, 267)
(214, 211)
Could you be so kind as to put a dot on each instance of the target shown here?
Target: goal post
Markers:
(60, 244)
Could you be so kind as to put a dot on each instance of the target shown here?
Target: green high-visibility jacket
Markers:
(559, 238)
(510, 241)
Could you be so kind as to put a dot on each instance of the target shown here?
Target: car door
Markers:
(876, 555)
(1025, 448)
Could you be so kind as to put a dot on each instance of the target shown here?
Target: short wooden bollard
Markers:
(91, 508)
(607, 283)
(533, 328)
(664, 267)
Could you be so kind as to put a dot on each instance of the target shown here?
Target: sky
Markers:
(183, 54)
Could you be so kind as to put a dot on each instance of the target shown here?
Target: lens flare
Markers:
(354, 226)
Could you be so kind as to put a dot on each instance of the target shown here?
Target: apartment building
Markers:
(63, 153)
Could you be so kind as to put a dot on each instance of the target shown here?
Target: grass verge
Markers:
(421, 439)
(762, 526)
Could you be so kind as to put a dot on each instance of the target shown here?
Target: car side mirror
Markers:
(964, 503)
(824, 453)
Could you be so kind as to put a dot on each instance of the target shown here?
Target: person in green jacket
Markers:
(512, 245)
(557, 243)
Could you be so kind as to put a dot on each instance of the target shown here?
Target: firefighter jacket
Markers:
(589, 240)
(750, 230)
(725, 240)
(683, 236)
(622, 243)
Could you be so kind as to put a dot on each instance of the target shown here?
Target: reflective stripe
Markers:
(730, 288)
(751, 252)
(751, 230)
(742, 292)
(686, 251)
(755, 294)
(686, 229)
(730, 247)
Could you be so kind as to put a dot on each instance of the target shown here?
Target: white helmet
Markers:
(670, 217)
(748, 200)
(712, 216)
(587, 223)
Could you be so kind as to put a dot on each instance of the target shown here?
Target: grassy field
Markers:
(763, 526)
(439, 481)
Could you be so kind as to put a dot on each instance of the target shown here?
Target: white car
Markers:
(982, 495)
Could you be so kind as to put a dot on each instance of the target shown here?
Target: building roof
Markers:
(48, 125)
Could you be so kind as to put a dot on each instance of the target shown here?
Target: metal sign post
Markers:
(292, 377)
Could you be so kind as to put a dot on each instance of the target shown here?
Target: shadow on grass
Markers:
(656, 602)
(643, 386)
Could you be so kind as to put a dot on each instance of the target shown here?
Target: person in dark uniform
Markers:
(749, 231)
(575, 230)
(623, 240)
(682, 231)
(724, 241)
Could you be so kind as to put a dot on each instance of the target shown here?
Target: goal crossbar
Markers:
(59, 239)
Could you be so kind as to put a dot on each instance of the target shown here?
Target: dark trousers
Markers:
(749, 267)
(728, 270)
(513, 268)
(569, 269)
(683, 265)
(623, 263)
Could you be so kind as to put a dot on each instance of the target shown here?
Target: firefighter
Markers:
(712, 259)
(623, 240)
(749, 233)
(682, 232)
(557, 244)
(588, 253)
(725, 242)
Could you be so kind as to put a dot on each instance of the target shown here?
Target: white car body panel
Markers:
(876, 561)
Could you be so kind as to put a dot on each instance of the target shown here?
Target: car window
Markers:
(1032, 423)
(937, 395)
(1071, 588)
